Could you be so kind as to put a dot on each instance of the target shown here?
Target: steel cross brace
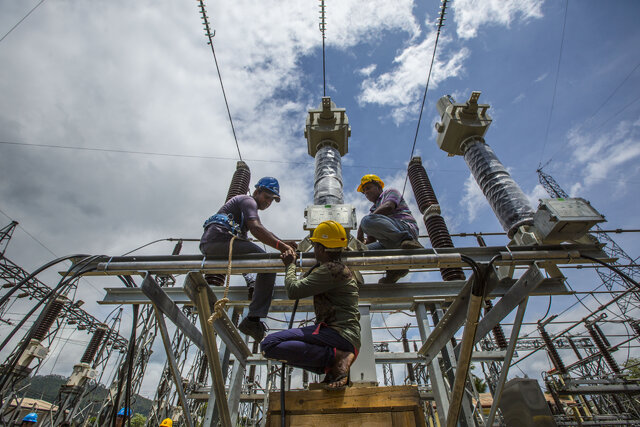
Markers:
(526, 284)
(223, 326)
(173, 366)
(167, 307)
(456, 314)
(196, 288)
(447, 326)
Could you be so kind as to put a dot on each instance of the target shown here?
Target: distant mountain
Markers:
(46, 387)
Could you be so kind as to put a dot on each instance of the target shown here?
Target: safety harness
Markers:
(226, 221)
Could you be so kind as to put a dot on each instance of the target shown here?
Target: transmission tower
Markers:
(597, 365)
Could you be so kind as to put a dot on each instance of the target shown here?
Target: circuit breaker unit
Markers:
(327, 131)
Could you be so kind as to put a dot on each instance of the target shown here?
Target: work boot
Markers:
(393, 276)
(254, 328)
(411, 244)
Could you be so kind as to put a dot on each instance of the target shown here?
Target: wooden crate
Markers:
(397, 406)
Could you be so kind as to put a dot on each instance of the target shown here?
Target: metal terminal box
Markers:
(344, 214)
(460, 121)
(327, 125)
(560, 220)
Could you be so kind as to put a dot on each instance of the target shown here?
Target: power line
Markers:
(210, 43)
(20, 21)
(555, 86)
(45, 247)
(30, 235)
(197, 156)
(440, 24)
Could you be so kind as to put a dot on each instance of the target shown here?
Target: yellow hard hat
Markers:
(369, 178)
(330, 234)
(166, 423)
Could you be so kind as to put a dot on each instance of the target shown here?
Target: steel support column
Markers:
(363, 369)
(438, 385)
(196, 286)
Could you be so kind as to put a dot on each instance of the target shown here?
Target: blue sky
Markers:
(138, 76)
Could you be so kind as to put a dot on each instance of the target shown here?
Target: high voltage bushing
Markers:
(596, 336)
(94, 344)
(551, 349)
(504, 195)
(498, 333)
(461, 133)
(50, 315)
(240, 181)
(430, 209)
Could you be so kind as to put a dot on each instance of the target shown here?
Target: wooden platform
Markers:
(397, 406)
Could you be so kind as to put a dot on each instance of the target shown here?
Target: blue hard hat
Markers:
(122, 414)
(270, 184)
(31, 417)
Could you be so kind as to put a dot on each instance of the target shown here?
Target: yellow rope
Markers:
(219, 306)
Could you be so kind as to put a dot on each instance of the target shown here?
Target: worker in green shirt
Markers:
(331, 345)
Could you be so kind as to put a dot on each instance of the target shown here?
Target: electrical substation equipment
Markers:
(327, 132)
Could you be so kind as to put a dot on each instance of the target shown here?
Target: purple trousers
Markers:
(312, 348)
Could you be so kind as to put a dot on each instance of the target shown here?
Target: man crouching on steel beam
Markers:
(331, 345)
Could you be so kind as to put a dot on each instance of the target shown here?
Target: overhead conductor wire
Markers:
(440, 24)
(20, 21)
(207, 27)
(555, 85)
(323, 28)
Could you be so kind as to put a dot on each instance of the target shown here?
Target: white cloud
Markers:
(601, 156)
(473, 200)
(541, 78)
(402, 87)
(366, 71)
(576, 189)
(519, 98)
(471, 14)
(536, 194)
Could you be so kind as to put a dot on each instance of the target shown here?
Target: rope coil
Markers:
(220, 305)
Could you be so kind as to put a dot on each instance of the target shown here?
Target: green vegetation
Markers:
(46, 388)
(632, 368)
(138, 420)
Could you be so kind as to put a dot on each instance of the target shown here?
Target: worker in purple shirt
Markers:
(389, 225)
(236, 217)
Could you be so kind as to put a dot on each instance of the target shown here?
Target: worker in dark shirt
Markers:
(331, 345)
(235, 218)
(389, 225)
